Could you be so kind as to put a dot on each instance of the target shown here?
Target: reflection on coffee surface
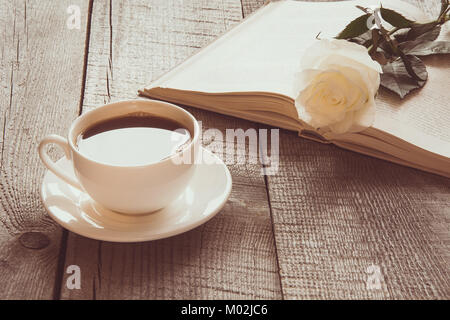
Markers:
(133, 140)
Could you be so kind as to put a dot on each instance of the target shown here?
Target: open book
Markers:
(249, 73)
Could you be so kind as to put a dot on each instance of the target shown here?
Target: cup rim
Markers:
(189, 146)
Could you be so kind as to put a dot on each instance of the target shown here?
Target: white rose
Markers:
(336, 86)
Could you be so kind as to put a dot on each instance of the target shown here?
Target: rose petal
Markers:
(365, 117)
(357, 53)
(370, 77)
(315, 53)
(304, 78)
(336, 86)
(320, 50)
(342, 126)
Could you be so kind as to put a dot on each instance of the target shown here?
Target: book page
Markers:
(423, 117)
(263, 53)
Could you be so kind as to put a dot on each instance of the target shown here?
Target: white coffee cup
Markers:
(127, 189)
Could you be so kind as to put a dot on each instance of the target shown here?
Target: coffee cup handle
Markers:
(48, 162)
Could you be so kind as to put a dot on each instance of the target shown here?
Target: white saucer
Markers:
(205, 195)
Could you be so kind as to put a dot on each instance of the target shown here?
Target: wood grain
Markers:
(248, 6)
(41, 68)
(233, 255)
(336, 213)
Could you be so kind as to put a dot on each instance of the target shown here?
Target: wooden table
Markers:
(311, 231)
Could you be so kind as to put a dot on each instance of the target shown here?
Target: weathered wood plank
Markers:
(336, 213)
(41, 68)
(233, 255)
(248, 6)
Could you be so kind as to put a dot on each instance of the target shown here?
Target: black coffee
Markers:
(133, 140)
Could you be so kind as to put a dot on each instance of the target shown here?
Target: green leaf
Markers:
(417, 29)
(395, 19)
(431, 35)
(413, 66)
(396, 78)
(422, 42)
(364, 39)
(429, 48)
(400, 35)
(380, 57)
(355, 28)
(388, 49)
